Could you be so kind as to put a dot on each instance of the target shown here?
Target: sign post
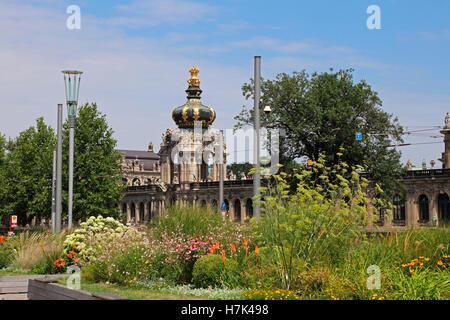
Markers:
(12, 222)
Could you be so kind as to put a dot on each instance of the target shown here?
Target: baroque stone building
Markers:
(185, 171)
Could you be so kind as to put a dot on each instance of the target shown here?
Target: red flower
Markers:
(2, 239)
(69, 255)
(233, 247)
(222, 257)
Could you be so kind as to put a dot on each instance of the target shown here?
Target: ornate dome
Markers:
(193, 110)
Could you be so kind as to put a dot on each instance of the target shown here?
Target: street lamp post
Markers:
(256, 116)
(72, 93)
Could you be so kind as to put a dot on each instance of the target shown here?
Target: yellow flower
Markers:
(440, 263)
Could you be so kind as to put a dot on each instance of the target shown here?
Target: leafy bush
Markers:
(6, 256)
(191, 222)
(318, 221)
(95, 228)
(121, 260)
(261, 277)
(211, 271)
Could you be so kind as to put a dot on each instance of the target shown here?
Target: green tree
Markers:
(96, 166)
(238, 168)
(26, 174)
(320, 113)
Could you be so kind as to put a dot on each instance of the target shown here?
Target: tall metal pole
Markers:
(54, 193)
(256, 153)
(59, 171)
(221, 168)
(72, 89)
(71, 147)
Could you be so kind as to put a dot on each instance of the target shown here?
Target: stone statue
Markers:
(232, 176)
(432, 163)
(243, 176)
(408, 165)
(447, 121)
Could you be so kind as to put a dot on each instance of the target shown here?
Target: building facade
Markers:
(185, 171)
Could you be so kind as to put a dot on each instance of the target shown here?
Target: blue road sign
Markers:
(358, 136)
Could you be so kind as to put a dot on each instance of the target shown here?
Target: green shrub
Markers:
(316, 223)
(211, 271)
(261, 277)
(108, 229)
(6, 256)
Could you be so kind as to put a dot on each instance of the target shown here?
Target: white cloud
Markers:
(135, 81)
(153, 12)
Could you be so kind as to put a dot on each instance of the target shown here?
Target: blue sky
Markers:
(136, 53)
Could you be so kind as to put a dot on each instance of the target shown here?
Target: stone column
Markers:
(128, 212)
(433, 208)
(146, 215)
(137, 212)
(409, 211)
(243, 213)
(231, 203)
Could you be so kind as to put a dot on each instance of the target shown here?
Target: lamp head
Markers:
(267, 110)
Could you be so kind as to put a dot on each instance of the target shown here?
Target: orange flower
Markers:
(256, 249)
(73, 252)
(76, 260)
(233, 247)
(2, 239)
(69, 255)
(217, 246)
(211, 250)
(245, 241)
(222, 257)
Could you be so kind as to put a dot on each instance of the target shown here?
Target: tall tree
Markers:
(319, 113)
(26, 174)
(96, 166)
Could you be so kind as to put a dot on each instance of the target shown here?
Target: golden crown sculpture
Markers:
(194, 81)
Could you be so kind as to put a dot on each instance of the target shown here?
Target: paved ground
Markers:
(16, 287)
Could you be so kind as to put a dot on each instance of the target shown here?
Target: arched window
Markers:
(133, 212)
(398, 209)
(124, 208)
(444, 208)
(249, 208)
(227, 205)
(237, 210)
(141, 211)
(424, 211)
(124, 181)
